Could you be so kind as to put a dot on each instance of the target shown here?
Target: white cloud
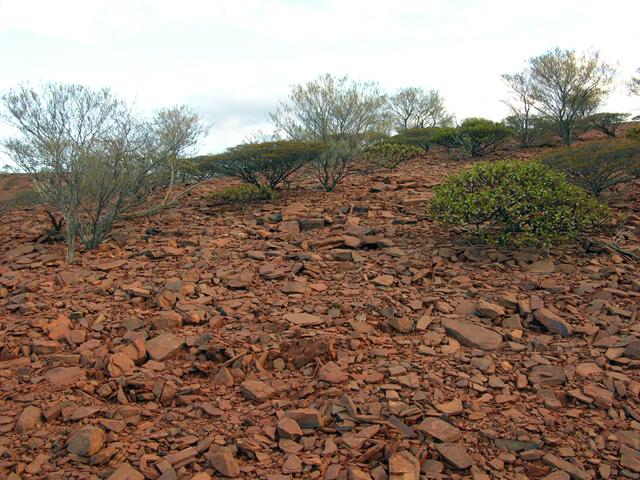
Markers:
(233, 60)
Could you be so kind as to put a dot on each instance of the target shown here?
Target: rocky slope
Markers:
(322, 336)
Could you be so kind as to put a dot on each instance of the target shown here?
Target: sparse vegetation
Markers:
(633, 134)
(266, 164)
(607, 123)
(242, 194)
(634, 84)
(597, 166)
(516, 203)
(475, 136)
(332, 165)
(390, 155)
(419, 137)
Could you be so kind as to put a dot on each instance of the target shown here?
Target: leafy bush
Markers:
(476, 136)
(390, 155)
(634, 134)
(419, 137)
(597, 166)
(517, 203)
(242, 194)
(266, 164)
(607, 123)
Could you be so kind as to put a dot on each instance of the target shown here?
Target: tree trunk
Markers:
(71, 238)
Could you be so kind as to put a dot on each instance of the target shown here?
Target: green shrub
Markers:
(390, 155)
(607, 123)
(267, 164)
(633, 134)
(418, 137)
(242, 194)
(475, 136)
(533, 131)
(597, 166)
(517, 204)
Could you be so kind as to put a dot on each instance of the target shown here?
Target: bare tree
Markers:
(634, 83)
(567, 87)
(521, 105)
(85, 152)
(414, 108)
(174, 131)
(332, 106)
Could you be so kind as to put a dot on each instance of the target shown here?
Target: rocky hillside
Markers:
(321, 336)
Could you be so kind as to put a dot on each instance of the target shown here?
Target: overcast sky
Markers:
(233, 60)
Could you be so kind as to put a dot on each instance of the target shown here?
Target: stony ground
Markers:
(322, 336)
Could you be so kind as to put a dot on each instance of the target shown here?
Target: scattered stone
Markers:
(87, 441)
(332, 373)
(256, 390)
(455, 455)
(29, 419)
(126, 472)
(304, 319)
(404, 466)
(163, 346)
(222, 460)
(552, 322)
(440, 430)
(472, 335)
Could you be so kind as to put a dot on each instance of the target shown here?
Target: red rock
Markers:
(440, 430)
(455, 455)
(65, 376)
(256, 390)
(552, 322)
(472, 335)
(126, 472)
(332, 373)
(289, 428)
(29, 419)
(120, 364)
(86, 442)
(163, 346)
(452, 407)
(304, 319)
(404, 466)
(384, 280)
(222, 460)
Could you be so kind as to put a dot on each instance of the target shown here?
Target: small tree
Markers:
(332, 165)
(84, 150)
(413, 108)
(267, 164)
(521, 120)
(332, 106)
(634, 84)
(567, 87)
(607, 123)
(174, 131)
(597, 166)
(533, 131)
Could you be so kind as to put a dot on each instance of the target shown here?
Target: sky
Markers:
(232, 61)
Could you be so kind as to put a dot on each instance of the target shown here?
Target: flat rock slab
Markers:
(256, 390)
(404, 466)
(304, 319)
(472, 335)
(440, 430)
(455, 454)
(552, 322)
(163, 346)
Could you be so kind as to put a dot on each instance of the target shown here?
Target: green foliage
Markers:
(633, 134)
(605, 122)
(531, 131)
(517, 203)
(266, 164)
(242, 194)
(419, 137)
(475, 136)
(597, 166)
(332, 166)
(390, 155)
